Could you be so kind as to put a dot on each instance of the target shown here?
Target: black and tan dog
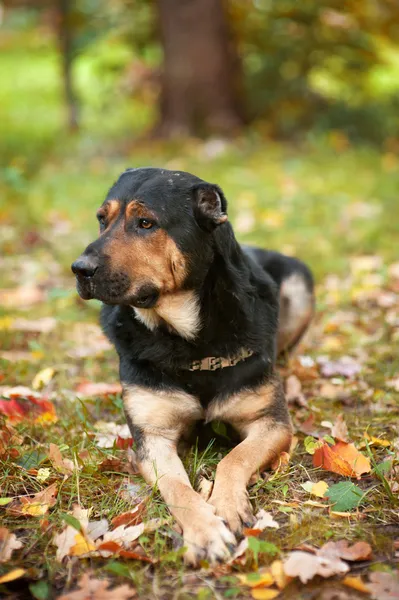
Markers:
(197, 321)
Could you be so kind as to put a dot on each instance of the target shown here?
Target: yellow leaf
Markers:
(43, 474)
(264, 594)
(35, 509)
(81, 546)
(356, 583)
(42, 378)
(319, 489)
(376, 441)
(11, 575)
(277, 570)
(265, 579)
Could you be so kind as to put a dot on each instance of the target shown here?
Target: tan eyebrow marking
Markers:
(135, 208)
(110, 210)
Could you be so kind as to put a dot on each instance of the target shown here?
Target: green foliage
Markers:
(310, 63)
(344, 496)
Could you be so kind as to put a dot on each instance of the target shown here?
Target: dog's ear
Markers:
(210, 205)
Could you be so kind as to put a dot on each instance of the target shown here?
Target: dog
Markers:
(197, 321)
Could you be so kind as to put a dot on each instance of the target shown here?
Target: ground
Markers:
(331, 204)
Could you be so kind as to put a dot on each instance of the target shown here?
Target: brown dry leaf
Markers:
(332, 391)
(339, 430)
(98, 589)
(342, 458)
(281, 463)
(306, 566)
(8, 438)
(64, 465)
(37, 506)
(293, 391)
(342, 549)
(384, 586)
(8, 543)
(132, 517)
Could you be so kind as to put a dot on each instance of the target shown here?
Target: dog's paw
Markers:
(234, 508)
(207, 538)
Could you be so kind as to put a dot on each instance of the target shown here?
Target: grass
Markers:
(323, 200)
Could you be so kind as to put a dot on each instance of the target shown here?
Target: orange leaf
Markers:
(342, 458)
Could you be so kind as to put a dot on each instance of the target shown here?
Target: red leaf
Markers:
(22, 404)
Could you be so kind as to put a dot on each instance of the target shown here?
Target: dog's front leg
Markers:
(262, 419)
(157, 419)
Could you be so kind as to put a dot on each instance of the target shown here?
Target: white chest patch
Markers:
(179, 310)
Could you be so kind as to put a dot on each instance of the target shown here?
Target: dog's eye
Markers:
(145, 224)
(101, 220)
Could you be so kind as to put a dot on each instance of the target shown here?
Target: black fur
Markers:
(238, 289)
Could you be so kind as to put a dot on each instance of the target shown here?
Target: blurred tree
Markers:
(65, 41)
(201, 71)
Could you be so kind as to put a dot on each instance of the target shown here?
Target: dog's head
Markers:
(155, 237)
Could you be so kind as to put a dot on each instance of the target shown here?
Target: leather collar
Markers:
(213, 363)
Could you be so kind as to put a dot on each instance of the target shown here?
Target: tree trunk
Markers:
(66, 50)
(201, 70)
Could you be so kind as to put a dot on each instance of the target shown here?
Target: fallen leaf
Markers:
(43, 474)
(37, 505)
(124, 536)
(132, 517)
(264, 520)
(64, 465)
(21, 297)
(43, 325)
(342, 458)
(306, 566)
(339, 430)
(344, 366)
(316, 489)
(108, 433)
(356, 583)
(93, 390)
(293, 392)
(281, 463)
(12, 575)
(376, 441)
(8, 543)
(311, 445)
(384, 586)
(344, 496)
(43, 378)
(22, 404)
(342, 549)
(99, 589)
(264, 594)
(279, 576)
(262, 578)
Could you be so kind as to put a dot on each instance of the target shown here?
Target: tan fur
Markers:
(148, 259)
(264, 441)
(296, 311)
(160, 412)
(242, 407)
(179, 310)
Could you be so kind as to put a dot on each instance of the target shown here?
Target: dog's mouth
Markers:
(116, 292)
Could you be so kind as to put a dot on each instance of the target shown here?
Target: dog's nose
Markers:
(85, 266)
